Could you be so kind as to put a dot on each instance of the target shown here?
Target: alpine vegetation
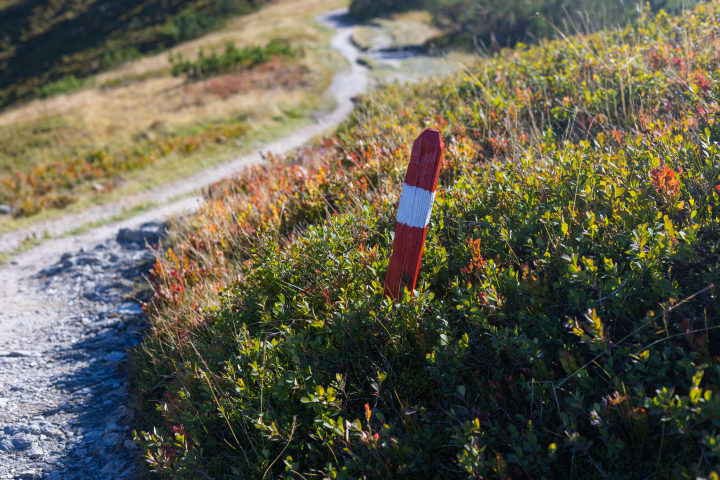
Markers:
(565, 323)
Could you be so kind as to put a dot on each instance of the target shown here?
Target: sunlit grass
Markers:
(141, 102)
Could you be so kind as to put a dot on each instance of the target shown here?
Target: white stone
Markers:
(114, 357)
(35, 452)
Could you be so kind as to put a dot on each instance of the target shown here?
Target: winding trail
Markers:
(345, 86)
(66, 320)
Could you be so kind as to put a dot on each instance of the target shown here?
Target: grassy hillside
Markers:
(565, 324)
(60, 40)
(495, 23)
(139, 125)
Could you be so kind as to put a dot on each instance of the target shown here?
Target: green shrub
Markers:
(66, 84)
(193, 23)
(116, 57)
(566, 322)
(189, 25)
(231, 59)
(562, 326)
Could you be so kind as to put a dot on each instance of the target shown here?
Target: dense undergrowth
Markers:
(565, 324)
(45, 43)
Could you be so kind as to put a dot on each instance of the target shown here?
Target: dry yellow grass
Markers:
(145, 98)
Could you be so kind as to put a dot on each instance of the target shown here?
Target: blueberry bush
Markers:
(566, 321)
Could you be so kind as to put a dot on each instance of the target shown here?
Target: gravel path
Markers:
(65, 331)
(67, 318)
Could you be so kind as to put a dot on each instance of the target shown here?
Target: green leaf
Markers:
(695, 393)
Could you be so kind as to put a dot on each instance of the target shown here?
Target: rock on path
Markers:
(66, 330)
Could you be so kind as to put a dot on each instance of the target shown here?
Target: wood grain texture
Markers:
(423, 171)
(424, 166)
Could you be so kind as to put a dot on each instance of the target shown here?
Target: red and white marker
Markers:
(416, 203)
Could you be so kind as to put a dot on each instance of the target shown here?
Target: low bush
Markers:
(193, 23)
(66, 84)
(551, 333)
(231, 59)
(114, 58)
(367, 9)
(189, 25)
(565, 324)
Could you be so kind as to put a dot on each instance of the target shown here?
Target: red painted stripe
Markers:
(409, 242)
(424, 166)
(405, 262)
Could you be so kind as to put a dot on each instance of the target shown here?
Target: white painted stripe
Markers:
(415, 206)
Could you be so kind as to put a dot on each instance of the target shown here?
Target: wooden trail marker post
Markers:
(416, 203)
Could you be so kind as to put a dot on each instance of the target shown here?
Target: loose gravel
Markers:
(63, 394)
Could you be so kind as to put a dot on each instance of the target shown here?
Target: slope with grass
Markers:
(492, 24)
(565, 324)
(76, 148)
(47, 47)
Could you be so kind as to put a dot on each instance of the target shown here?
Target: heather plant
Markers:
(565, 323)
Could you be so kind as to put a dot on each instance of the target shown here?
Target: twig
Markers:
(292, 432)
(614, 291)
(635, 331)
